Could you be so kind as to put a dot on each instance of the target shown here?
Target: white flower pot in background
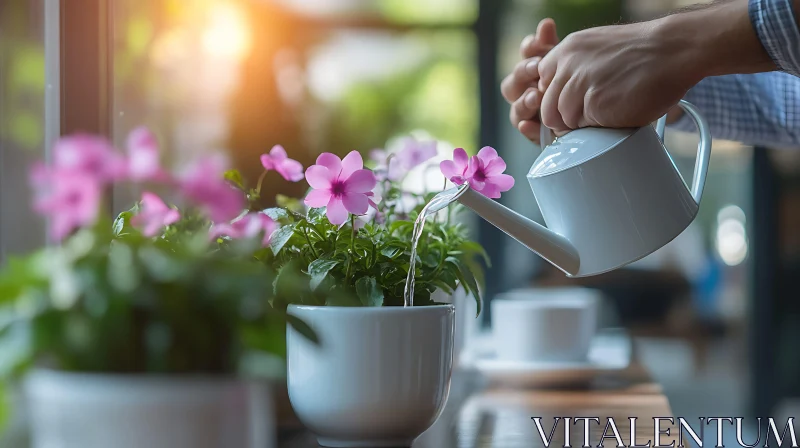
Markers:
(467, 320)
(380, 376)
(73, 410)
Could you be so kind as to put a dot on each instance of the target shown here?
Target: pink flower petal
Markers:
(495, 166)
(476, 184)
(290, 170)
(460, 157)
(360, 181)
(331, 162)
(490, 191)
(266, 162)
(351, 163)
(319, 177)
(503, 181)
(223, 229)
(152, 202)
(449, 169)
(171, 217)
(203, 184)
(474, 166)
(458, 180)
(318, 198)
(378, 156)
(356, 203)
(396, 170)
(278, 154)
(143, 156)
(71, 199)
(336, 212)
(487, 154)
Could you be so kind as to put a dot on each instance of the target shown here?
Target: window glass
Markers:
(22, 91)
(242, 76)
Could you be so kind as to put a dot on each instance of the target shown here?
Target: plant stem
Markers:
(260, 181)
(352, 247)
(310, 246)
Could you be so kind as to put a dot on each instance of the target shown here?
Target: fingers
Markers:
(540, 43)
(551, 117)
(570, 103)
(530, 129)
(547, 70)
(526, 107)
(524, 75)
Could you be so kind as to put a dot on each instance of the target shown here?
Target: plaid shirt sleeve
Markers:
(763, 108)
(775, 24)
(759, 109)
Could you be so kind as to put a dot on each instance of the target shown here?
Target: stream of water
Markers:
(439, 202)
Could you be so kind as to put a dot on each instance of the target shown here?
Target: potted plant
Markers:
(132, 332)
(381, 373)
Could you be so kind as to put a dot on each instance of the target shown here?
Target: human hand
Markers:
(520, 87)
(615, 76)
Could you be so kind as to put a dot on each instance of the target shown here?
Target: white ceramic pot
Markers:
(68, 410)
(380, 376)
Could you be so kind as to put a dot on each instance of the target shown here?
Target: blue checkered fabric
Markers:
(763, 108)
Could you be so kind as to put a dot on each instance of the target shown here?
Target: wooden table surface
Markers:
(481, 415)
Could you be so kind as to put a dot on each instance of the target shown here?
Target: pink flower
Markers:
(415, 153)
(249, 226)
(155, 215)
(456, 169)
(388, 168)
(379, 156)
(143, 156)
(70, 199)
(343, 186)
(90, 155)
(203, 183)
(483, 172)
(277, 160)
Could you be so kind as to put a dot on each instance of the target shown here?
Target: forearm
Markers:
(717, 39)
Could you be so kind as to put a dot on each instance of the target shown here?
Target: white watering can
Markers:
(609, 197)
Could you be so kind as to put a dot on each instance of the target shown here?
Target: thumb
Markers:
(546, 32)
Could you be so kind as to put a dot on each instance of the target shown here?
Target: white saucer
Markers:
(610, 351)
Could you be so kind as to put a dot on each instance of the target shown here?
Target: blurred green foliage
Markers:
(576, 15)
(439, 96)
(22, 76)
(426, 11)
(110, 300)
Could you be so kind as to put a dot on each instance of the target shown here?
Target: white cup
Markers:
(544, 325)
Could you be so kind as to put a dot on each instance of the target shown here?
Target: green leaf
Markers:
(473, 247)
(281, 237)
(318, 270)
(302, 328)
(369, 292)
(467, 278)
(235, 178)
(342, 298)
(289, 281)
(276, 213)
(122, 224)
(391, 252)
(397, 225)
(316, 215)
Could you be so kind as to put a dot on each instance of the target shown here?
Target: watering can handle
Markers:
(546, 136)
(703, 148)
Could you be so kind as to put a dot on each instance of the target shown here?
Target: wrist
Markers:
(677, 45)
(717, 40)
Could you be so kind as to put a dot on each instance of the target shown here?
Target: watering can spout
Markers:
(549, 245)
